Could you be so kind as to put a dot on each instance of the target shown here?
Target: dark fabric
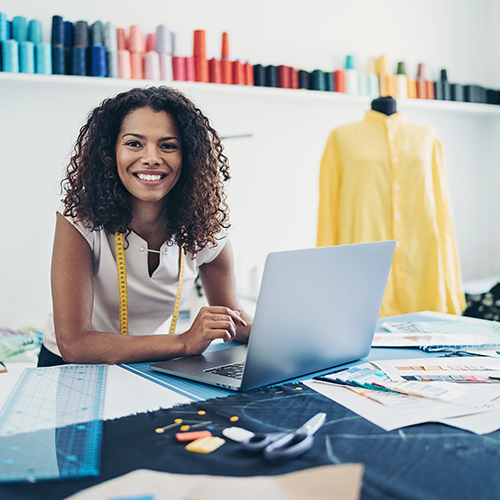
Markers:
(48, 358)
(484, 305)
(423, 462)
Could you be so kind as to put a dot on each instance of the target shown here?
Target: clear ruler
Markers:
(51, 424)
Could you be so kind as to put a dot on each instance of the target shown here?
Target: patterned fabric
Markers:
(484, 305)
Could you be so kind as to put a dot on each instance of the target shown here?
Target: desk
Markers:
(424, 462)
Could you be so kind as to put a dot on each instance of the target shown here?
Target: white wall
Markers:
(273, 194)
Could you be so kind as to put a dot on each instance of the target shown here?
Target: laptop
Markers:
(317, 308)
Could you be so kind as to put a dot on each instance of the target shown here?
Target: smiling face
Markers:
(148, 155)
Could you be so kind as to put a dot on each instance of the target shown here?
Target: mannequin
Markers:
(386, 105)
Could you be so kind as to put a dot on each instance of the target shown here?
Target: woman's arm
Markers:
(219, 284)
(73, 296)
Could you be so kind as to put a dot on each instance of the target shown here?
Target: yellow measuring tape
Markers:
(122, 286)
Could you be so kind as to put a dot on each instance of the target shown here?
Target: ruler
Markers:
(51, 424)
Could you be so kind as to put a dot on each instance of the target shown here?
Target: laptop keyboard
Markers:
(233, 370)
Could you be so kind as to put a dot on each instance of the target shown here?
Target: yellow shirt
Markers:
(384, 179)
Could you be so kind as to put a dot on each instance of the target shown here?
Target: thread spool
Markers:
(166, 72)
(259, 75)
(124, 67)
(150, 42)
(189, 64)
(27, 57)
(227, 71)
(199, 44)
(339, 80)
(248, 70)
(68, 45)
(238, 73)
(10, 56)
(429, 89)
(225, 46)
(271, 76)
(317, 80)
(3, 27)
(97, 33)
(445, 86)
(214, 71)
(81, 34)
(329, 82)
(121, 39)
(19, 29)
(200, 69)
(112, 63)
(58, 60)
(57, 35)
(43, 59)
(304, 78)
(421, 84)
(412, 88)
(152, 65)
(98, 66)
(163, 40)
(110, 37)
(363, 84)
(79, 61)
(179, 68)
(284, 77)
(135, 41)
(34, 31)
(373, 89)
(136, 66)
(352, 80)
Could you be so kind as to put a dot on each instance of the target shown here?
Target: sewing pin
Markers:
(232, 418)
(161, 430)
(199, 412)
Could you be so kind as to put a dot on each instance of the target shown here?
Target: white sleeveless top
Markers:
(150, 298)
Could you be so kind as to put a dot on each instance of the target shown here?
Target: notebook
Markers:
(317, 308)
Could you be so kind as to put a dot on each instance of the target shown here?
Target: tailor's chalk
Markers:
(135, 41)
(189, 66)
(237, 434)
(339, 80)
(259, 75)
(10, 56)
(19, 29)
(81, 34)
(238, 73)
(152, 65)
(136, 66)
(166, 71)
(205, 445)
(43, 59)
(329, 83)
(178, 68)
(191, 436)
(3, 27)
(124, 67)
(35, 31)
(304, 79)
(214, 71)
(79, 61)
(317, 80)
(57, 34)
(26, 57)
(121, 39)
(248, 70)
(271, 76)
(98, 65)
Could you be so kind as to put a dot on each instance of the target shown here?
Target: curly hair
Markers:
(94, 193)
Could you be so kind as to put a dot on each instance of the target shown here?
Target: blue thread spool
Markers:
(271, 76)
(43, 59)
(97, 33)
(19, 29)
(35, 31)
(58, 60)
(27, 57)
(317, 80)
(10, 56)
(3, 27)
(81, 34)
(98, 61)
(329, 83)
(79, 61)
(304, 79)
(57, 37)
(68, 45)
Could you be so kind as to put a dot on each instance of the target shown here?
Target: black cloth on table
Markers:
(422, 462)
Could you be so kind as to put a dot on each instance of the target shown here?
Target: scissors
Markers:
(285, 445)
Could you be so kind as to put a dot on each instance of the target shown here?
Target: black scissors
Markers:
(285, 445)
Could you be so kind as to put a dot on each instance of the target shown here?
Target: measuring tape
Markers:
(122, 286)
(51, 424)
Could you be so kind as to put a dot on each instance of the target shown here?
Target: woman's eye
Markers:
(168, 145)
(133, 144)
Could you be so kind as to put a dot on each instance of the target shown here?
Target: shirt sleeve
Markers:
(81, 228)
(208, 254)
(329, 177)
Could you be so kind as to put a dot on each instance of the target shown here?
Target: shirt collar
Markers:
(383, 119)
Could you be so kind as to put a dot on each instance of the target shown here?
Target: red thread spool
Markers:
(225, 46)
(150, 42)
(294, 78)
(339, 77)
(200, 69)
(199, 44)
(284, 80)
(179, 68)
(136, 40)
(227, 71)
(430, 89)
(248, 68)
(189, 65)
(214, 71)
(121, 39)
(238, 73)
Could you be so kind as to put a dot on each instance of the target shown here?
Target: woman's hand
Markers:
(211, 322)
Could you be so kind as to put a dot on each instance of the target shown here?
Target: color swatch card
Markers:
(439, 335)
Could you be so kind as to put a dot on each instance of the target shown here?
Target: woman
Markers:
(143, 187)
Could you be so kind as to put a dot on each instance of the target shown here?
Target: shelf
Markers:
(117, 85)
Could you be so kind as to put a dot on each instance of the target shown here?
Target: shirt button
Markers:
(141, 249)
(165, 251)
(396, 159)
(396, 187)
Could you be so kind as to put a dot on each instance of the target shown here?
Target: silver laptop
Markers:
(317, 308)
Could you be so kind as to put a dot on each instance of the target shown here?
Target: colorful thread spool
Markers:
(329, 81)
(111, 44)
(3, 27)
(79, 61)
(152, 65)
(136, 66)
(98, 61)
(200, 56)
(35, 31)
(81, 34)
(259, 75)
(124, 68)
(121, 39)
(19, 29)
(57, 36)
(58, 60)
(317, 80)
(248, 69)
(271, 76)
(179, 68)
(135, 41)
(10, 56)
(97, 33)
(304, 79)
(166, 70)
(339, 80)
(27, 57)
(238, 73)
(214, 71)
(43, 59)
(189, 66)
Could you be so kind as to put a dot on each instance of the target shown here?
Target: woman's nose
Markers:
(150, 157)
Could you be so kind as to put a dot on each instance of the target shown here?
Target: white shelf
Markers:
(116, 84)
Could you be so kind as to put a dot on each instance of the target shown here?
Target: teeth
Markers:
(149, 177)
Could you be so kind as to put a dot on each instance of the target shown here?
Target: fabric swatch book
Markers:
(440, 335)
